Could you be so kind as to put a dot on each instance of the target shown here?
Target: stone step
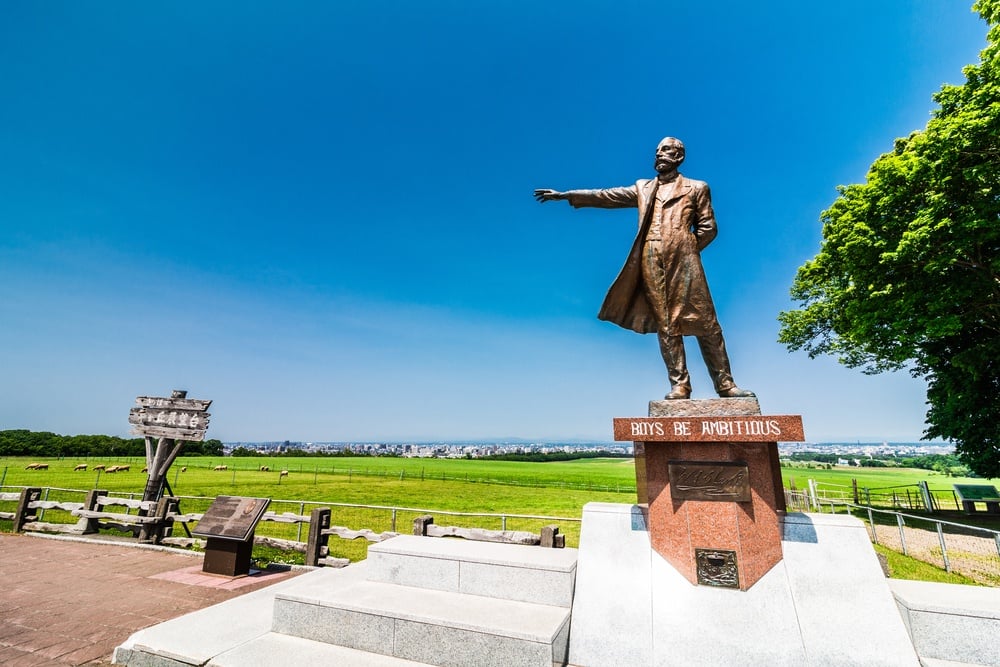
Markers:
(506, 571)
(197, 637)
(275, 649)
(935, 662)
(431, 626)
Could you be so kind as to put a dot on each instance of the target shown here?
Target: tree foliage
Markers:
(21, 442)
(908, 273)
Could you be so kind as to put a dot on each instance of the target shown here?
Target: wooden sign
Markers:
(177, 418)
(745, 428)
(231, 518)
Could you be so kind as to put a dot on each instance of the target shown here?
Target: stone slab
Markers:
(841, 595)
(705, 407)
(951, 622)
(195, 638)
(627, 592)
(506, 571)
(416, 623)
(612, 615)
(275, 649)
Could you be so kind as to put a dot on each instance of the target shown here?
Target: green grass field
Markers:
(558, 489)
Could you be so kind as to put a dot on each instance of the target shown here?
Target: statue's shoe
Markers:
(736, 392)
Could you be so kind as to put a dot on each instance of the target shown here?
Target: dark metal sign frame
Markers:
(232, 518)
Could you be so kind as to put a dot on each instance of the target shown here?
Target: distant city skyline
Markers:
(319, 215)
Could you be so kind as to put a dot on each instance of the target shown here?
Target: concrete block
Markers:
(195, 638)
(361, 630)
(950, 621)
(415, 623)
(506, 571)
(275, 649)
(840, 594)
(441, 574)
(612, 615)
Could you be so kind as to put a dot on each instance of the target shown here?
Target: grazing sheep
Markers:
(111, 469)
(82, 466)
(145, 469)
(283, 473)
(184, 469)
(221, 468)
(100, 467)
(123, 468)
(37, 466)
(265, 468)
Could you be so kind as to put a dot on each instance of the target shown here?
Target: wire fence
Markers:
(903, 496)
(971, 551)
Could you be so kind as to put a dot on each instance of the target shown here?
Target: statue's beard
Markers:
(664, 166)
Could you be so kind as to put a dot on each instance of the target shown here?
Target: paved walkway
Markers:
(72, 602)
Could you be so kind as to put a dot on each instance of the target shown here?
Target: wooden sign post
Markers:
(170, 421)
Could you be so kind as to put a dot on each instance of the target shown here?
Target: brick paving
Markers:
(72, 602)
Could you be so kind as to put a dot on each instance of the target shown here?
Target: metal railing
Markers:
(971, 551)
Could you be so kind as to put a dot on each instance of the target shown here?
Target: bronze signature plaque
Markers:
(231, 517)
(704, 480)
(717, 567)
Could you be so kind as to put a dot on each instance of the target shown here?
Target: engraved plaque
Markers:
(231, 518)
(717, 567)
(709, 480)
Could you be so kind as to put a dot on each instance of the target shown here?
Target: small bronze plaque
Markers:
(231, 517)
(709, 480)
(717, 567)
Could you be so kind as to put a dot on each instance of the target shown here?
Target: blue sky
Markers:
(319, 215)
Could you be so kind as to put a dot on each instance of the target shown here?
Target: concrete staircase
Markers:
(415, 601)
(445, 602)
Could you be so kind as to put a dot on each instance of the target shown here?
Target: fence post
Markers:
(996, 538)
(550, 538)
(4, 478)
(871, 520)
(90, 504)
(420, 524)
(298, 532)
(319, 521)
(925, 492)
(944, 549)
(503, 522)
(28, 496)
(814, 501)
(393, 529)
(854, 489)
(902, 536)
(41, 515)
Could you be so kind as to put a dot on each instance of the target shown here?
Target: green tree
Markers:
(908, 274)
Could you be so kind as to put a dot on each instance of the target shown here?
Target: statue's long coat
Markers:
(687, 226)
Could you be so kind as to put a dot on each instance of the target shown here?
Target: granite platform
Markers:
(824, 604)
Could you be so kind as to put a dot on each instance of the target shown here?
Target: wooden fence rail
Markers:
(153, 523)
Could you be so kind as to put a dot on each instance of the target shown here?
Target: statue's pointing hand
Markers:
(544, 195)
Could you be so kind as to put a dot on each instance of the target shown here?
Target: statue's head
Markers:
(669, 154)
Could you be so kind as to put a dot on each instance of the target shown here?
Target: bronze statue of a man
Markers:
(662, 286)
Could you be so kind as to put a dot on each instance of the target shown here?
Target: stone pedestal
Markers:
(709, 483)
